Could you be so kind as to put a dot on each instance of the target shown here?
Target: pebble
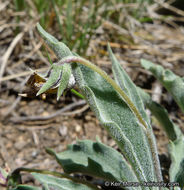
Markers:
(63, 130)
(78, 128)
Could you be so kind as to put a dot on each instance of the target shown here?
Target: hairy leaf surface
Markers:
(176, 171)
(95, 159)
(118, 119)
(116, 116)
(60, 183)
(126, 84)
(61, 51)
(52, 80)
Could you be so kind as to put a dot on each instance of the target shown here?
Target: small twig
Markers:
(14, 76)
(116, 27)
(170, 7)
(16, 102)
(6, 102)
(12, 46)
(35, 137)
(59, 112)
(29, 55)
(8, 53)
(4, 5)
(38, 51)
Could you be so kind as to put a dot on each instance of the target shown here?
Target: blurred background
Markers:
(135, 29)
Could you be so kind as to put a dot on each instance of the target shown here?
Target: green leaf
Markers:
(54, 78)
(66, 73)
(116, 116)
(161, 115)
(3, 173)
(95, 159)
(173, 83)
(61, 51)
(59, 48)
(25, 187)
(60, 183)
(176, 171)
(126, 84)
(118, 119)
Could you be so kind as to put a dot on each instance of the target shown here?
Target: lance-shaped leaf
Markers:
(59, 48)
(161, 115)
(173, 83)
(95, 159)
(126, 84)
(119, 120)
(174, 133)
(55, 183)
(121, 123)
(61, 51)
(53, 80)
(66, 73)
(176, 171)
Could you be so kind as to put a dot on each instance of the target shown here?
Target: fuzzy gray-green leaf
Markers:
(60, 183)
(126, 84)
(176, 171)
(61, 51)
(118, 119)
(66, 73)
(53, 79)
(59, 48)
(95, 159)
(173, 83)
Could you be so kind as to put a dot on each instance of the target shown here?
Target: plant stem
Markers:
(127, 100)
(77, 93)
(88, 64)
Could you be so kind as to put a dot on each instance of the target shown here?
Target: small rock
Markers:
(88, 117)
(34, 154)
(63, 130)
(78, 128)
(20, 145)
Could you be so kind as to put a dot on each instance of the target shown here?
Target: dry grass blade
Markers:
(170, 7)
(36, 48)
(8, 52)
(3, 5)
(12, 46)
(59, 112)
(16, 102)
(10, 77)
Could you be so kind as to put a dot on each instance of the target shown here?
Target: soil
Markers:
(23, 142)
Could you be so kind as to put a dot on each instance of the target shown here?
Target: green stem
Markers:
(93, 67)
(77, 93)
(53, 173)
(131, 105)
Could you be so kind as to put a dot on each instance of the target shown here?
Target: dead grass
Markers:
(22, 143)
